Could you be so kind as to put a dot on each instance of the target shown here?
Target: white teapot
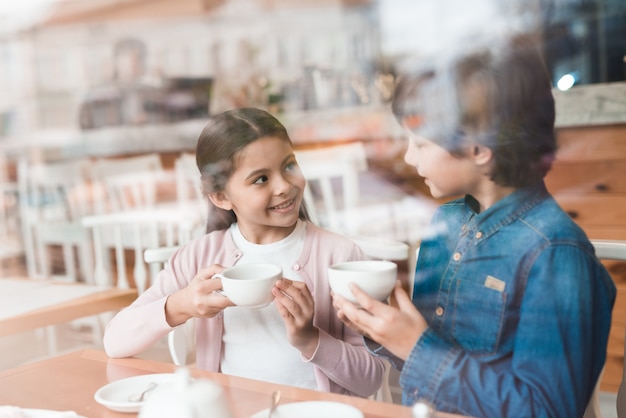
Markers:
(186, 398)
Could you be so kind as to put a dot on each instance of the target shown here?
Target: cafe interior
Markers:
(103, 102)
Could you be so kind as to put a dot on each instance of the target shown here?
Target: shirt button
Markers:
(478, 235)
(296, 267)
(439, 311)
(456, 256)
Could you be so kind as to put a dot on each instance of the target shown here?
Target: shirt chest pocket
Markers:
(478, 317)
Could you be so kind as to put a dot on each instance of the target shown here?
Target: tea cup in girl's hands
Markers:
(250, 285)
(375, 277)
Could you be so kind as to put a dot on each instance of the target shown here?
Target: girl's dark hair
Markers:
(499, 96)
(218, 146)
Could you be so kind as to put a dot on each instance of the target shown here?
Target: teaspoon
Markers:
(275, 400)
(139, 397)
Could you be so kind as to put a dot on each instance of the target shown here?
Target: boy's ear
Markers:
(481, 154)
(220, 200)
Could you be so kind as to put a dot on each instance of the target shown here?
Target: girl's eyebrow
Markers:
(258, 172)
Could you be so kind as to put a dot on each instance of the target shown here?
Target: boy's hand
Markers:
(396, 326)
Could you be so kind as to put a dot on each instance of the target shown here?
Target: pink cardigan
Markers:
(342, 364)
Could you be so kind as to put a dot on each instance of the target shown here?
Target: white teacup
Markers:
(375, 277)
(250, 285)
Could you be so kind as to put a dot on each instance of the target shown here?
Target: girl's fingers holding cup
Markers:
(219, 300)
(210, 271)
(283, 284)
(295, 297)
(207, 279)
(210, 305)
(290, 288)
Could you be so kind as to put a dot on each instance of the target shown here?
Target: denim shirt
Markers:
(518, 308)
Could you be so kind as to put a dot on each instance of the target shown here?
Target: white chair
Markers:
(132, 217)
(324, 166)
(53, 197)
(127, 183)
(133, 231)
(343, 196)
(609, 250)
(180, 340)
(189, 196)
(11, 246)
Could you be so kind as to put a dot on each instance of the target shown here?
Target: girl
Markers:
(250, 175)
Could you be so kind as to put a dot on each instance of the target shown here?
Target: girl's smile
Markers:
(285, 207)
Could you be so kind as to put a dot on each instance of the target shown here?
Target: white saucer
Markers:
(312, 409)
(40, 413)
(115, 395)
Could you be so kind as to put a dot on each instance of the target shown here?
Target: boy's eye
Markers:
(291, 166)
(260, 180)
(415, 143)
(461, 133)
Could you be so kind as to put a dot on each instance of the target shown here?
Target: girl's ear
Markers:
(220, 200)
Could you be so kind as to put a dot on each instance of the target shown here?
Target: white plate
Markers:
(38, 413)
(115, 395)
(312, 409)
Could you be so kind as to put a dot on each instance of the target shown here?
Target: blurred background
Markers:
(89, 64)
(95, 81)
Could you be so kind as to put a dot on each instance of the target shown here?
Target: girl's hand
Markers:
(295, 305)
(198, 299)
(396, 326)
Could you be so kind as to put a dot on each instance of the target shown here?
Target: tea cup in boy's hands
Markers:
(374, 277)
(396, 328)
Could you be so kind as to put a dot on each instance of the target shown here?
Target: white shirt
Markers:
(255, 340)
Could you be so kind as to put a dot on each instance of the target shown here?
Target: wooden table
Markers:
(68, 382)
(30, 304)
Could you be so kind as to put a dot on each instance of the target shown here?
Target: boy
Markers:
(511, 309)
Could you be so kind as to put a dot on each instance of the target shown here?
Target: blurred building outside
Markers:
(300, 56)
(85, 61)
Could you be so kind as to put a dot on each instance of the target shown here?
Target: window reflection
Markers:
(586, 39)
